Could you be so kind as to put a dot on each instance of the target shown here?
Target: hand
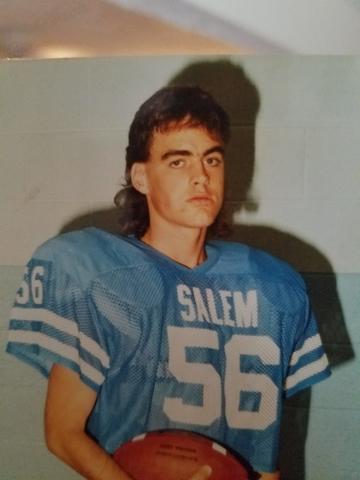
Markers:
(202, 474)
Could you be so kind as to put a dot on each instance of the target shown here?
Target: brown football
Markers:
(176, 455)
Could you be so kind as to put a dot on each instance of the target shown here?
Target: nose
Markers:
(200, 175)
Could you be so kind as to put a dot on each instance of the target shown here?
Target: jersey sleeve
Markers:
(308, 361)
(53, 321)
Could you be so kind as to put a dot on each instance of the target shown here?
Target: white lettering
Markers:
(232, 309)
(212, 307)
(202, 313)
(183, 295)
(226, 305)
(246, 311)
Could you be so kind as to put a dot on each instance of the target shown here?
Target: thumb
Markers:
(202, 474)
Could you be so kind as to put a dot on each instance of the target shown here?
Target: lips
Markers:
(201, 199)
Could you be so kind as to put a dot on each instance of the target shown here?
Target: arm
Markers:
(68, 404)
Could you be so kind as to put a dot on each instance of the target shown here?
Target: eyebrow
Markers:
(187, 153)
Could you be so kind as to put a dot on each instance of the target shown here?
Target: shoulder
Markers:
(237, 257)
(88, 253)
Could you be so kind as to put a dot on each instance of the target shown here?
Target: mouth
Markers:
(201, 199)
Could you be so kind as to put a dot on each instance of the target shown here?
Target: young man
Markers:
(160, 328)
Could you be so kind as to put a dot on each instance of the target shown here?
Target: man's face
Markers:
(183, 179)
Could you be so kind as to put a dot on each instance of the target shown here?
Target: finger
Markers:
(202, 474)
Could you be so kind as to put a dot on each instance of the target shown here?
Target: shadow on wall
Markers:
(233, 89)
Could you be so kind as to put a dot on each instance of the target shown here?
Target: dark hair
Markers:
(168, 108)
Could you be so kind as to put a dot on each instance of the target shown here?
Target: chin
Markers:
(197, 218)
(203, 222)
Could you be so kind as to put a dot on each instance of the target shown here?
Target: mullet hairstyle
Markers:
(168, 108)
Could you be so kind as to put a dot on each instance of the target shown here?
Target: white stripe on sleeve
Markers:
(64, 325)
(309, 345)
(306, 372)
(70, 353)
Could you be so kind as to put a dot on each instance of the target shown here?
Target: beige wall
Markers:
(63, 127)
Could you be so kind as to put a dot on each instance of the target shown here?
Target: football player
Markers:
(159, 327)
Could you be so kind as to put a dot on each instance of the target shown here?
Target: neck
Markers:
(184, 245)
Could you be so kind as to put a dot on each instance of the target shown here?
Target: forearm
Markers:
(68, 405)
(85, 456)
(270, 476)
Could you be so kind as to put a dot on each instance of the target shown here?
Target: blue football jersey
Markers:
(214, 349)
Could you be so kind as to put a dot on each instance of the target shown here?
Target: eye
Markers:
(213, 161)
(177, 163)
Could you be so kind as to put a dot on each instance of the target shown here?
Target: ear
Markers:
(138, 177)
